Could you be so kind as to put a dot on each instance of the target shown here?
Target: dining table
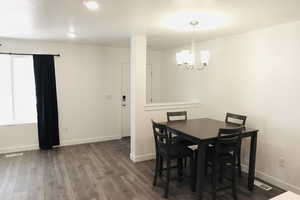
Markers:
(204, 131)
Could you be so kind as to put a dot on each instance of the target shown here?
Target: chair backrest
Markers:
(238, 119)
(228, 141)
(161, 136)
(182, 114)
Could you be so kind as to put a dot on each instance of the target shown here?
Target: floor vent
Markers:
(262, 185)
(13, 155)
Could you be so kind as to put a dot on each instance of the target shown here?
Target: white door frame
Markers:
(149, 92)
(125, 128)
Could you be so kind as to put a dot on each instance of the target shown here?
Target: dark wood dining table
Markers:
(205, 131)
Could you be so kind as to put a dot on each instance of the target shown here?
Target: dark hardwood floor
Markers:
(99, 171)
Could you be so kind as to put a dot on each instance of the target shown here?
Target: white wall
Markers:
(154, 60)
(142, 143)
(177, 85)
(113, 60)
(89, 93)
(88, 87)
(256, 74)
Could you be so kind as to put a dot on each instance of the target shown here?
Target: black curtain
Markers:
(47, 112)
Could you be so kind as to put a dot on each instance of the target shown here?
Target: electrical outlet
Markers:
(281, 162)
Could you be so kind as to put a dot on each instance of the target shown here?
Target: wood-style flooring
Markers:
(98, 171)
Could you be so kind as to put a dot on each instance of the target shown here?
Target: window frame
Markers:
(14, 121)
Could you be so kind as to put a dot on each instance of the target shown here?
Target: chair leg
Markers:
(193, 173)
(156, 169)
(195, 169)
(206, 167)
(180, 169)
(214, 182)
(239, 160)
(161, 165)
(233, 180)
(167, 178)
(221, 172)
(239, 165)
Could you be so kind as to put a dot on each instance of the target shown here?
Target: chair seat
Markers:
(221, 157)
(177, 151)
(182, 141)
(211, 149)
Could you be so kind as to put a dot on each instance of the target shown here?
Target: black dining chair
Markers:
(223, 155)
(181, 115)
(238, 120)
(168, 150)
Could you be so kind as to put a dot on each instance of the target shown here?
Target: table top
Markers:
(202, 129)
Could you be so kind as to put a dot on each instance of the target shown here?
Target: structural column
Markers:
(138, 50)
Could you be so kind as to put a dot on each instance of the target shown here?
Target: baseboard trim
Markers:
(259, 174)
(89, 140)
(18, 149)
(273, 180)
(141, 158)
(63, 143)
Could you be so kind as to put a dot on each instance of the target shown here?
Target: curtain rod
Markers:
(29, 54)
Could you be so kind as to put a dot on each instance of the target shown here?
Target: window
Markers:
(17, 90)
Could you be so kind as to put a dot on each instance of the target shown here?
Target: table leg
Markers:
(251, 172)
(201, 169)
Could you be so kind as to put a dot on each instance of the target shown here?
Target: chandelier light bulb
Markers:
(91, 4)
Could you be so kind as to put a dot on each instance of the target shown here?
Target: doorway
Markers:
(125, 100)
(149, 98)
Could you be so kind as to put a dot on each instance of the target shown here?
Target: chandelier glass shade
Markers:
(204, 57)
(186, 59)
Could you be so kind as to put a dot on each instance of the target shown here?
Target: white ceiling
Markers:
(117, 20)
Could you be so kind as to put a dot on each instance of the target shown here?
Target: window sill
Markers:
(18, 124)
(171, 106)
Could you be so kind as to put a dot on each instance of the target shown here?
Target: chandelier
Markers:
(185, 59)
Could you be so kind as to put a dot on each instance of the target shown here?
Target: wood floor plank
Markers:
(98, 171)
